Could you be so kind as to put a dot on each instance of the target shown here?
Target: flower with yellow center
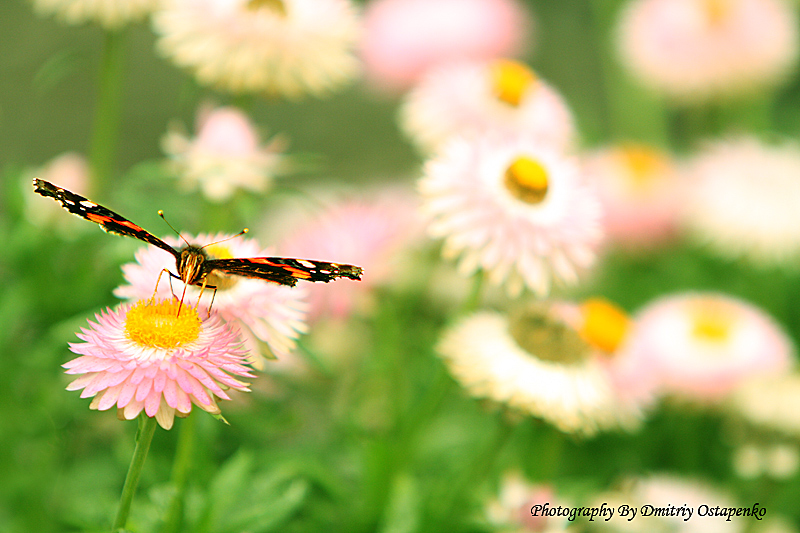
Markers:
(536, 362)
(699, 50)
(271, 317)
(642, 192)
(278, 47)
(513, 208)
(150, 357)
(471, 98)
(703, 345)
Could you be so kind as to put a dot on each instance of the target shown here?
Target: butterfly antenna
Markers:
(245, 230)
(161, 214)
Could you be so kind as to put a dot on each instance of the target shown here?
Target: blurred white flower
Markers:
(474, 97)
(111, 14)
(694, 50)
(281, 47)
(744, 200)
(537, 363)
(514, 208)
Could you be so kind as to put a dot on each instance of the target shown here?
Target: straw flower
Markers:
(147, 357)
(279, 47)
(537, 363)
(111, 14)
(474, 97)
(743, 201)
(704, 345)
(514, 208)
(225, 155)
(695, 50)
(271, 317)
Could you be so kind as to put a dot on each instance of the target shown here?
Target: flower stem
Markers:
(144, 436)
(105, 127)
(180, 474)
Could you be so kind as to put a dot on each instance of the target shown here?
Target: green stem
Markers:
(105, 127)
(474, 298)
(144, 436)
(180, 474)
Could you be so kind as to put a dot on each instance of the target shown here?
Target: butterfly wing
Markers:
(108, 220)
(283, 270)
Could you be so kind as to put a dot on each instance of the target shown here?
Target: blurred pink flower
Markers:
(694, 50)
(405, 38)
(514, 208)
(501, 96)
(111, 14)
(70, 171)
(271, 317)
(703, 345)
(278, 47)
(744, 198)
(225, 155)
(148, 357)
(372, 233)
(641, 192)
(511, 511)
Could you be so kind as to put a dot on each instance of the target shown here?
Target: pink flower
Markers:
(405, 38)
(271, 317)
(148, 357)
(694, 50)
(70, 171)
(370, 232)
(475, 97)
(641, 192)
(703, 345)
(225, 155)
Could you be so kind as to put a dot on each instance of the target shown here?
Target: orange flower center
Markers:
(604, 324)
(526, 179)
(511, 80)
(158, 324)
(276, 6)
(645, 164)
(717, 11)
(712, 320)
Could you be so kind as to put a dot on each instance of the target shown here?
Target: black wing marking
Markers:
(108, 220)
(283, 270)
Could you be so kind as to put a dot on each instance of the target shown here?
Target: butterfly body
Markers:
(192, 262)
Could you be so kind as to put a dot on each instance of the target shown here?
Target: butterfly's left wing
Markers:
(108, 220)
(283, 270)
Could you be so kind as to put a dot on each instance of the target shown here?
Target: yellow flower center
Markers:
(604, 324)
(645, 164)
(158, 324)
(511, 80)
(717, 11)
(276, 6)
(546, 337)
(526, 179)
(712, 320)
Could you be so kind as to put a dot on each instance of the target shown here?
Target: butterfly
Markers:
(193, 263)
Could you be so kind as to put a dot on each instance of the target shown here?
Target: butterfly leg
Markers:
(203, 287)
(158, 280)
